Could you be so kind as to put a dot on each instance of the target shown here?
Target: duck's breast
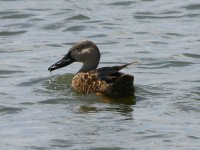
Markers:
(88, 82)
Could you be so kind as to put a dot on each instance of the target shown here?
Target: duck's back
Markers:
(107, 80)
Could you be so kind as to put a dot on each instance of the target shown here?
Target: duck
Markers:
(107, 81)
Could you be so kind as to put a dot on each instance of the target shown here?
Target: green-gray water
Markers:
(41, 111)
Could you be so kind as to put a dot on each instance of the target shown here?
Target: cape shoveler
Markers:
(107, 80)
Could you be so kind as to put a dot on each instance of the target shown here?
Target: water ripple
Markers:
(97, 35)
(78, 17)
(187, 106)
(11, 33)
(55, 101)
(126, 3)
(33, 81)
(123, 109)
(17, 15)
(9, 110)
(155, 17)
(175, 34)
(54, 26)
(60, 143)
(8, 72)
(192, 7)
(196, 56)
(75, 28)
(19, 25)
(166, 64)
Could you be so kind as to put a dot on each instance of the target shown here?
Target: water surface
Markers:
(41, 111)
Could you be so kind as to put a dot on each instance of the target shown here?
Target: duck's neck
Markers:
(88, 66)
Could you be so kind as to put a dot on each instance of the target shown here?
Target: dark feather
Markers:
(110, 74)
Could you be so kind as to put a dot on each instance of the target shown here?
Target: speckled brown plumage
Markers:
(88, 82)
(107, 80)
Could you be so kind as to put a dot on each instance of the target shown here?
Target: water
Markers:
(41, 111)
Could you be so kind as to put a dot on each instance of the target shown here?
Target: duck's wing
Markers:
(110, 74)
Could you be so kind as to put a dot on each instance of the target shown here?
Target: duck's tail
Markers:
(122, 87)
(123, 66)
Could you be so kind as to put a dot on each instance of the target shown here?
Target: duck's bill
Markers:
(65, 61)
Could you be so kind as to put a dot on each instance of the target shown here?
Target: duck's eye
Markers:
(78, 47)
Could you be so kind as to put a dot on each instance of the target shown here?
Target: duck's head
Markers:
(84, 51)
